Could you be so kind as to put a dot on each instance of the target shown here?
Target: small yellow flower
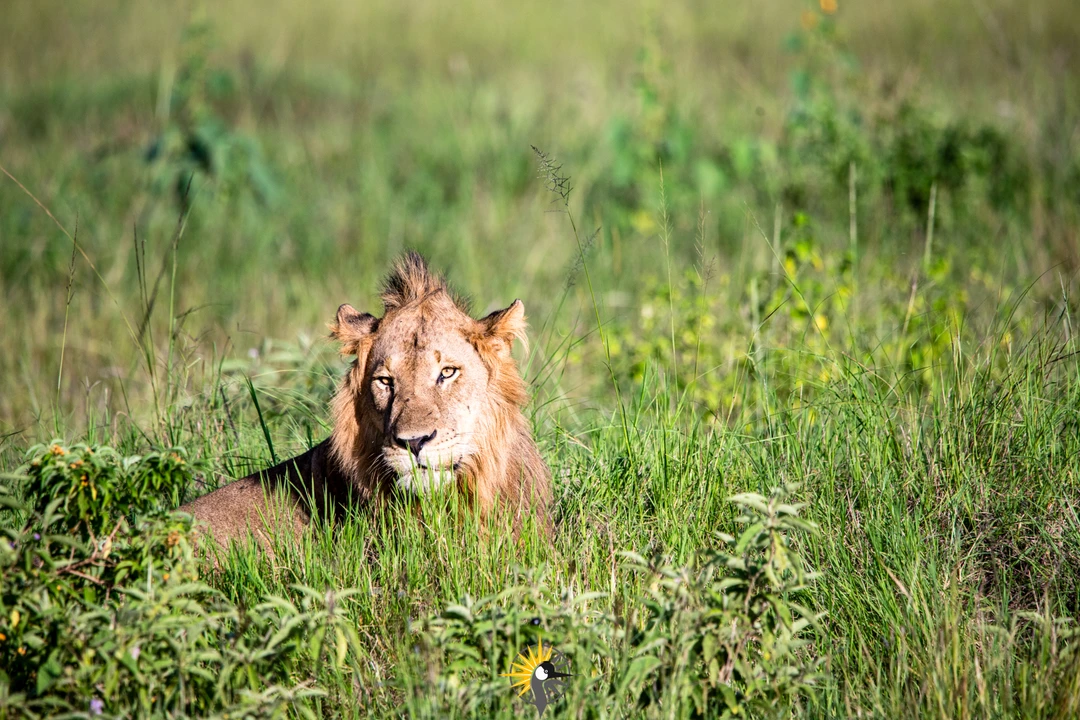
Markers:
(165, 576)
(22, 650)
(828, 6)
(3, 637)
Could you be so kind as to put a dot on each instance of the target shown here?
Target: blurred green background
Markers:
(305, 145)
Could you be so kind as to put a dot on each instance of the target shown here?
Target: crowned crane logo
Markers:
(542, 669)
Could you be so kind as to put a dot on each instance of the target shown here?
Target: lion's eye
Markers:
(447, 373)
(385, 381)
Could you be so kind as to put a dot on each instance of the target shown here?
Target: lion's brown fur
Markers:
(505, 472)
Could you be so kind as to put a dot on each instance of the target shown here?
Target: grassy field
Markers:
(812, 291)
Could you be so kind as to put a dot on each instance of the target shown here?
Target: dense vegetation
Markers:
(801, 284)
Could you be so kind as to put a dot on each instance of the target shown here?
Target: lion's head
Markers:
(433, 397)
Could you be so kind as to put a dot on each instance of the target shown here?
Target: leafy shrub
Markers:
(728, 635)
(461, 652)
(96, 487)
(196, 139)
(841, 127)
(791, 327)
(102, 612)
(899, 150)
(901, 155)
(722, 637)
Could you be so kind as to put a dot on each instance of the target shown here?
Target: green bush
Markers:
(729, 634)
(196, 142)
(721, 637)
(102, 611)
(96, 488)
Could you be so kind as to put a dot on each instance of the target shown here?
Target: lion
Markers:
(432, 399)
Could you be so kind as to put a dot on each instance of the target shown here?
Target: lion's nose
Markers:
(415, 443)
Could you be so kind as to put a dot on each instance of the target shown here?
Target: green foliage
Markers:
(842, 132)
(655, 133)
(798, 324)
(899, 156)
(721, 637)
(727, 638)
(118, 623)
(896, 150)
(195, 140)
(96, 488)
(460, 653)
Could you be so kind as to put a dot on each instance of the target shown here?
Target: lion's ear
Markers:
(502, 327)
(351, 328)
